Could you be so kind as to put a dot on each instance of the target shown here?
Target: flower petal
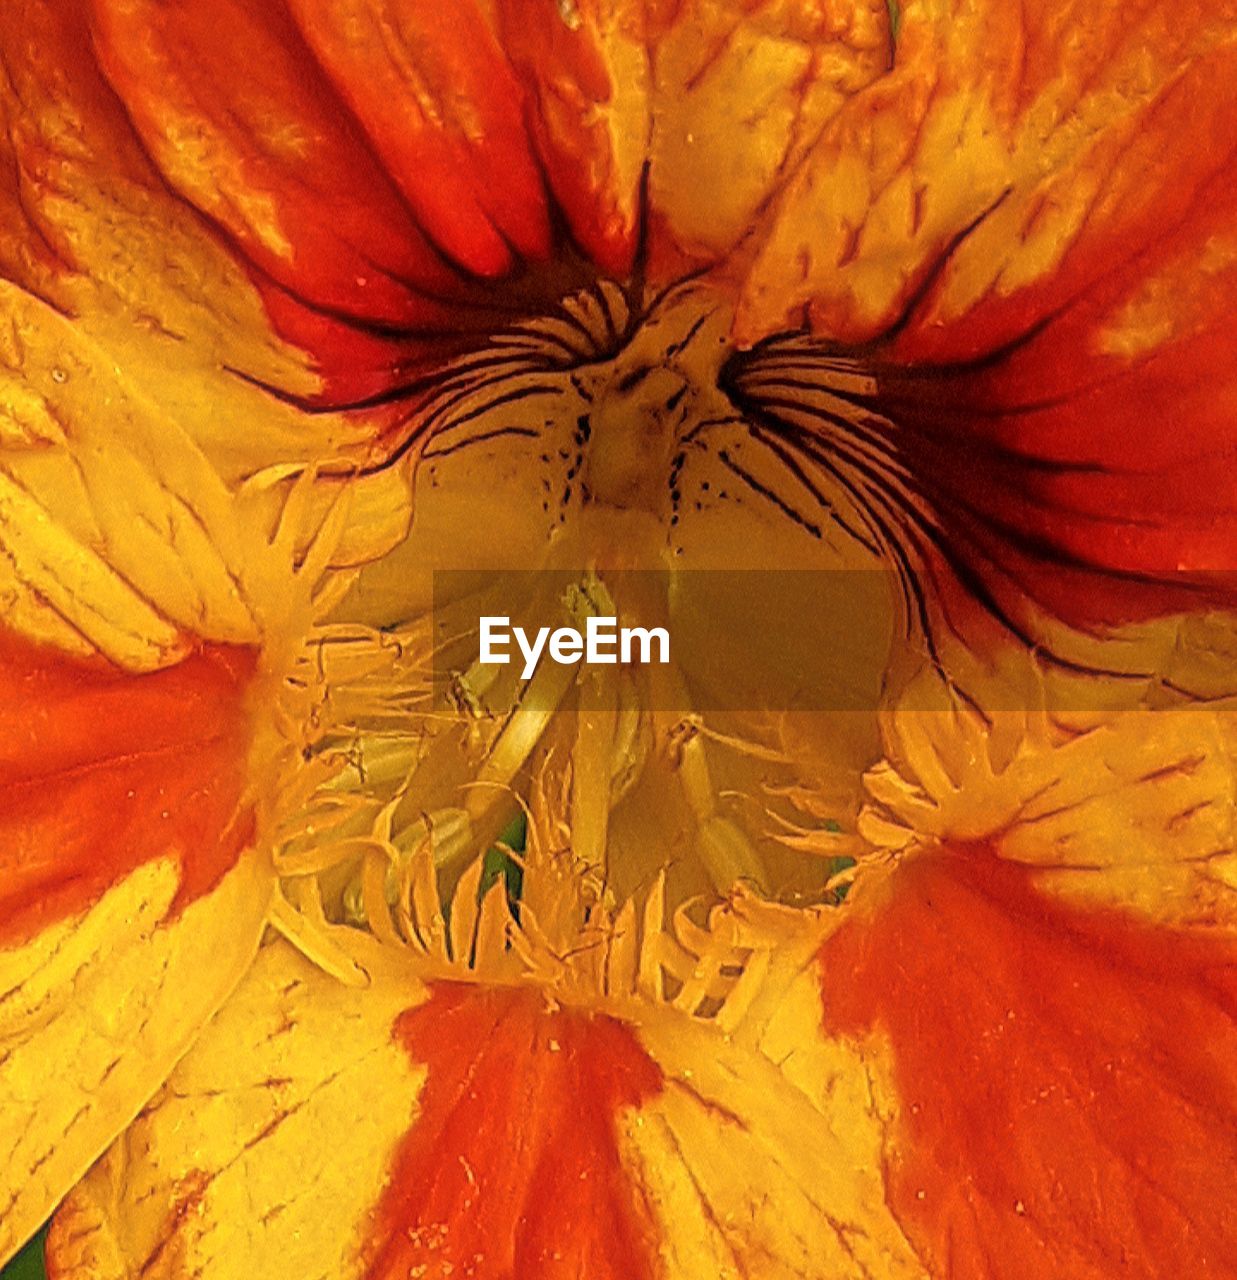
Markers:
(269, 1143)
(368, 164)
(270, 1134)
(1060, 1078)
(128, 909)
(1030, 222)
(444, 110)
(546, 1139)
(146, 616)
(1045, 977)
(1132, 810)
(741, 92)
(88, 225)
(586, 66)
(1015, 145)
(260, 146)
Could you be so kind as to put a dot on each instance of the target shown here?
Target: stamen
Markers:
(724, 850)
(411, 790)
(592, 767)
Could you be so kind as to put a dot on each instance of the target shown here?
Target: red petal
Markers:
(1036, 211)
(587, 114)
(1100, 437)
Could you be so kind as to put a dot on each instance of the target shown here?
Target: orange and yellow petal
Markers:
(89, 226)
(375, 185)
(155, 275)
(1061, 1078)
(1129, 810)
(435, 1126)
(261, 148)
(1013, 1055)
(1004, 163)
(1043, 980)
(129, 906)
(1027, 228)
(352, 213)
(147, 617)
(585, 73)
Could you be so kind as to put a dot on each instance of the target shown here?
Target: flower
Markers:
(330, 326)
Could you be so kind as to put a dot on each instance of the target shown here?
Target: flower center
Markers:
(603, 461)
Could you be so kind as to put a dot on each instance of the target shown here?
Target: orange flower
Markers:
(308, 301)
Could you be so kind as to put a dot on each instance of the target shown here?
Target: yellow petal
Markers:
(269, 1140)
(740, 94)
(146, 614)
(96, 1011)
(438, 1128)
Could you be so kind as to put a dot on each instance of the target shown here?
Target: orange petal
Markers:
(586, 68)
(128, 909)
(1030, 225)
(443, 109)
(209, 268)
(360, 171)
(445, 1128)
(94, 778)
(507, 1074)
(1090, 461)
(1064, 1076)
(260, 145)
